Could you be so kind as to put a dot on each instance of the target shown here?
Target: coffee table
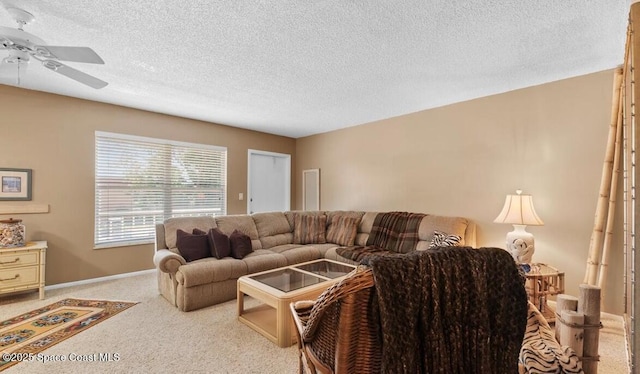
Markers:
(277, 288)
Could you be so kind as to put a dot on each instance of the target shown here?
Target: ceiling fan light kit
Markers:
(16, 57)
(23, 45)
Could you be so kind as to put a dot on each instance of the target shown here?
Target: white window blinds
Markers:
(143, 181)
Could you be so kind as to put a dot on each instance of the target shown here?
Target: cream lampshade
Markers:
(518, 210)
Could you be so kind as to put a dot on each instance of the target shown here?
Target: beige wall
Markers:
(459, 160)
(54, 136)
(462, 160)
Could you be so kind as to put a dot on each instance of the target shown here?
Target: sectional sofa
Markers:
(277, 239)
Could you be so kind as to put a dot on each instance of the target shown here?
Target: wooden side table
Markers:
(544, 281)
(22, 268)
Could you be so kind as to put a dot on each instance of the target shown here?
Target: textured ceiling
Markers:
(301, 67)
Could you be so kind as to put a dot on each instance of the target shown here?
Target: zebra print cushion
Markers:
(541, 353)
(442, 239)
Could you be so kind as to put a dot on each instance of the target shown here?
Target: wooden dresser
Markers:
(22, 268)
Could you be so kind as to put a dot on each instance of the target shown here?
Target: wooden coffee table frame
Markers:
(273, 318)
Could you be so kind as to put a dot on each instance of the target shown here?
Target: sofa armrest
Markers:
(168, 261)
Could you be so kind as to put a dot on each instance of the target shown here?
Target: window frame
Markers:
(166, 188)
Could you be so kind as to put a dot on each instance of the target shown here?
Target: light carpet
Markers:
(154, 337)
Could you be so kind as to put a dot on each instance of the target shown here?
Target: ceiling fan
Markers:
(23, 46)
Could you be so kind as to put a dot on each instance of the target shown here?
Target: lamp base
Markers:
(520, 244)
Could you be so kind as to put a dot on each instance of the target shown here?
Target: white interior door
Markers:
(269, 182)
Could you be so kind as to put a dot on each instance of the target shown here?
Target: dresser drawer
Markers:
(18, 277)
(15, 259)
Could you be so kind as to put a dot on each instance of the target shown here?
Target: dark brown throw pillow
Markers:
(309, 229)
(197, 231)
(192, 247)
(219, 243)
(240, 244)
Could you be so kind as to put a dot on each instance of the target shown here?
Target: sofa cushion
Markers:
(291, 215)
(273, 229)
(285, 247)
(343, 230)
(219, 243)
(309, 229)
(301, 254)
(331, 254)
(263, 259)
(192, 246)
(323, 248)
(341, 213)
(243, 223)
(442, 239)
(240, 244)
(210, 270)
(450, 225)
(186, 224)
(364, 228)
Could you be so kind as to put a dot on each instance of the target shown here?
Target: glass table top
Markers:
(326, 269)
(287, 279)
(299, 276)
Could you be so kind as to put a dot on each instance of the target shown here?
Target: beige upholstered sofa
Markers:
(209, 281)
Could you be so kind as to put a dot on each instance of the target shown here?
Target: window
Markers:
(143, 181)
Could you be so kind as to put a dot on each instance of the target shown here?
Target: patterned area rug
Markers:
(22, 338)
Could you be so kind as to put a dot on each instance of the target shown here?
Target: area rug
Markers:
(24, 337)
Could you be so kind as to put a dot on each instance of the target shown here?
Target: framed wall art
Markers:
(15, 184)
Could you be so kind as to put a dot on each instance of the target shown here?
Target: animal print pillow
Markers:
(309, 229)
(442, 239)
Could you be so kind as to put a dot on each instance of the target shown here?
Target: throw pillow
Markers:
(192, 246)
(219, 243)
(343, 230)
(309, 229)
(240, 244)
(442, 239)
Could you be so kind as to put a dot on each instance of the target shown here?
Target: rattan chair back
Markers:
(340, 333)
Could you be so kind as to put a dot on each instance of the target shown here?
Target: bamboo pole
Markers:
(595, 246)
(589, 306)
(606, 248)
(573, 332)
(564, 302)
(604, 264)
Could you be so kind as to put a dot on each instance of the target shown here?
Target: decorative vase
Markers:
(12, 233)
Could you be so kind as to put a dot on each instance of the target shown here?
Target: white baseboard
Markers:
(100, 279)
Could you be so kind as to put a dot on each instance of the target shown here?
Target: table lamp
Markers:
(518, 210)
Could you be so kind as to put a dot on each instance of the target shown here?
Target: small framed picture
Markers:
(15, 184)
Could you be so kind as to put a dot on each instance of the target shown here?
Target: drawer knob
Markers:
(10, 262)
(10, 279)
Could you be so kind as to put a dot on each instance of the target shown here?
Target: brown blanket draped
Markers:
(391, 233)
(450, 310)
(395, 231)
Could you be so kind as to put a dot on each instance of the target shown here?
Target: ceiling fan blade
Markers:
(72, 73)
(75, 54)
